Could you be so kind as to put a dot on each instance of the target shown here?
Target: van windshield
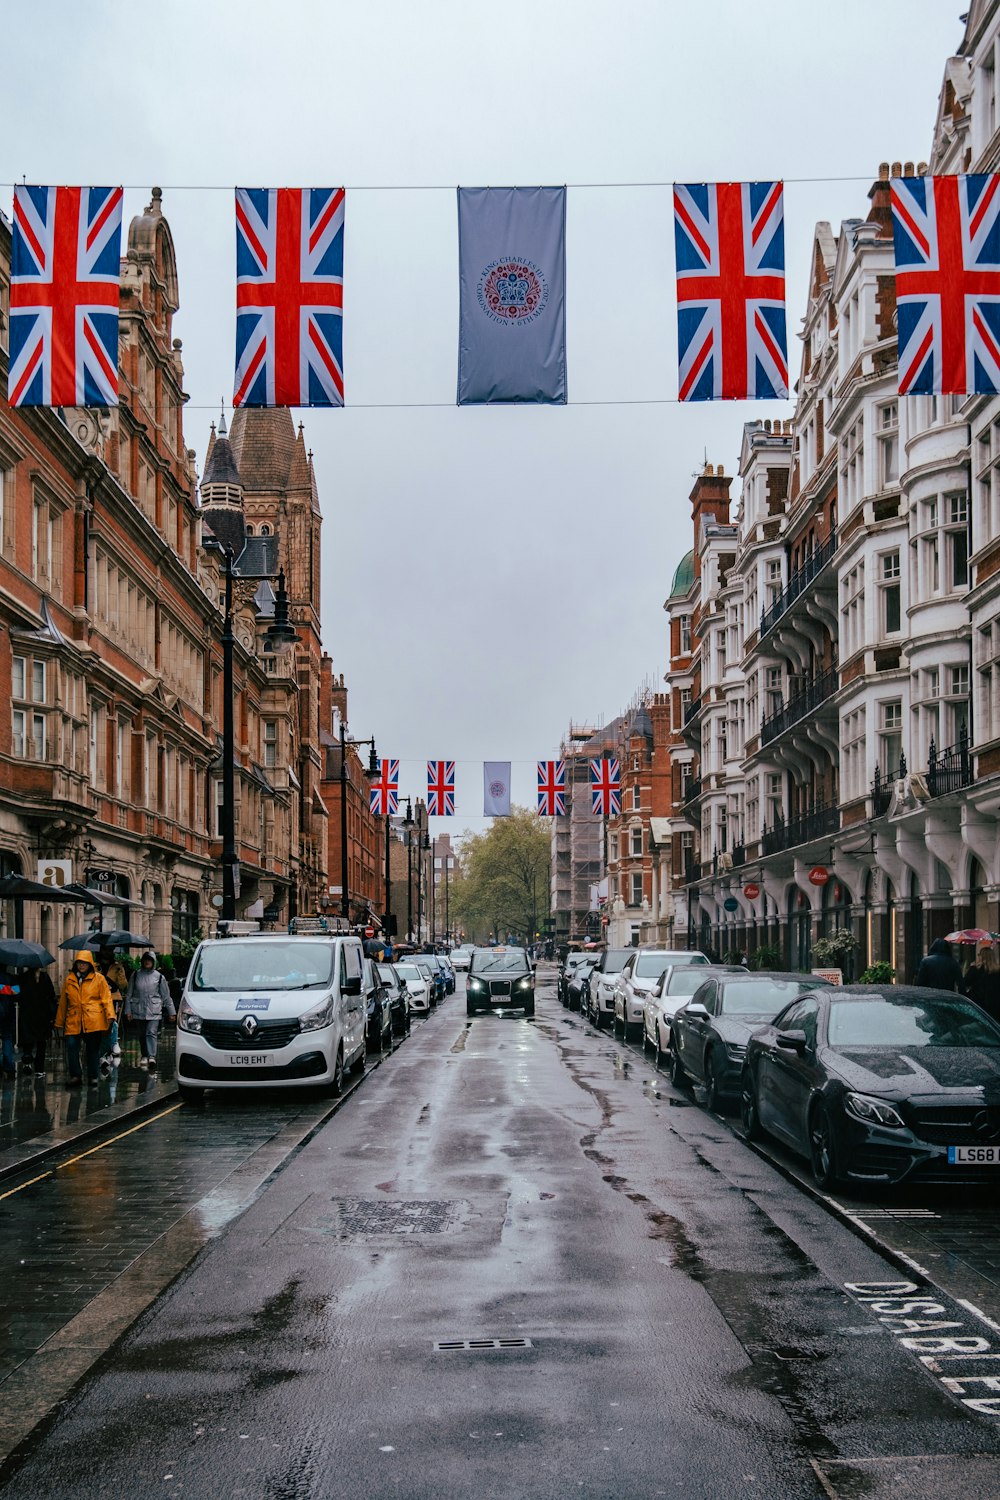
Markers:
(264, 964)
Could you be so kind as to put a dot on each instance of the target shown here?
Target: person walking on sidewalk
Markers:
(940, 970)
(37, 1013)
(10, 991)
(145, 998)
(115, 973)
(85, 1014)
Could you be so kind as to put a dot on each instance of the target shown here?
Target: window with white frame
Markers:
(890, 598)
(270, 743)
(890, 737)
(772, 581)
(852, 466)
(612, 846)
(772, 691)
(852, 753)
(635, 888)
(943, 545)
(123, 735)
(852, 611)
(29, 683)
(773, 799)
(684, 634)
(988, 484)
(988, 681)
(635, 836)
(636, 796)
(956, 702)
(887, 421)
(753, 811)
(926, 712)
(7, 503)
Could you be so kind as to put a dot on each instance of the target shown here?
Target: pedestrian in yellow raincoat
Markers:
(85, 1012)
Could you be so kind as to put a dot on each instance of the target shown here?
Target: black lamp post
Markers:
(433, 880)
(447, 923)
(345, 900)
(387, 922)
(408, 825)
(278, 637)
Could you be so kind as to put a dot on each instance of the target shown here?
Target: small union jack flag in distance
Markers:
(289, 297)
(606, 787)
(385, 791)
(730, 243)
(552, 788)
(440, 788)
(65, 269)
(946, 234)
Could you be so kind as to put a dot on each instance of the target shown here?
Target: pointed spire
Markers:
(223, 429)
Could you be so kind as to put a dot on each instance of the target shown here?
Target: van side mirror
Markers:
(351, 985)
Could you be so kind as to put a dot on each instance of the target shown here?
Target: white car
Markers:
(271, 1008)
(637, 978)
(418, 987)
(673, 989)
(461, 957)
(603, 981)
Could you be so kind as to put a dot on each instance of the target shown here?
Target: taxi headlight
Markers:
(476, 984)
(524, 984)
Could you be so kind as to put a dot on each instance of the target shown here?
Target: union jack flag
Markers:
(552, 788)
(730, 243)
(65, 268)
(947, 241)
(385, 791)
(440, 788)
(606, 787)
(289, 297)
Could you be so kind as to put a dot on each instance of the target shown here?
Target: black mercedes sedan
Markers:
(709, 1035)
(879, 1084)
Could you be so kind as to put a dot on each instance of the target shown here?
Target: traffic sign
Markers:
(751, 891)
(819, 875)
(369, 932)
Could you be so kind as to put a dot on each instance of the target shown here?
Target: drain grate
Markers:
(445, 1346)
(363, 1216)
(897, 1213)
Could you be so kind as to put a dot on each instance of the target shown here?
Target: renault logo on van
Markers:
(249, 1027)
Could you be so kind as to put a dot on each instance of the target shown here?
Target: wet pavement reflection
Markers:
(32, 1107)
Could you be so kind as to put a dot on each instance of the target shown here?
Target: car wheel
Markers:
(646, 1043)
(471, 1010)
(749, 1114)
(713, 1100)
(678, 1075)
(337, 1082)
(822, 1148)
(194, 1097)
(657, 1049)
(529, 1010)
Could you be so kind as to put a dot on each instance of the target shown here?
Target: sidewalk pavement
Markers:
(40, 1116)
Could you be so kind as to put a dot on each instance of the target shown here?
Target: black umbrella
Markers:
(115, 937)
(15, 953)
(89, 895)
(21, 888)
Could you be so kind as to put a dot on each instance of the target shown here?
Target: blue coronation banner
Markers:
(512, 295)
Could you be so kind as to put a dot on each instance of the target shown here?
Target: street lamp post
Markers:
(345, 899)
(387, 923)
(447, 923)
(408, 824)
(280, 635)
(433, 881)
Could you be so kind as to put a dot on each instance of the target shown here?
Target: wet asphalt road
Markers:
(670, 1314)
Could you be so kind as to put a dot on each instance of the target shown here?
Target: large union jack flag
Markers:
(946, 233)
(289, 297)
(606, 787)
(385, 790)
(730, 243)
(440, 788)
(65, 268)
(552, 788)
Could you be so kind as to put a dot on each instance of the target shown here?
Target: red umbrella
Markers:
(970, 935)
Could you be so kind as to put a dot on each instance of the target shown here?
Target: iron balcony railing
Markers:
(949, 770)
(692, 709)
(799, 581)
(804, 702)
(692, 791)
(883, 787)
(819, 821)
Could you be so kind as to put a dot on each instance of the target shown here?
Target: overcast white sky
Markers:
(488, 574)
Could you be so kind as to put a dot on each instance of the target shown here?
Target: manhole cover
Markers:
(362, 1217)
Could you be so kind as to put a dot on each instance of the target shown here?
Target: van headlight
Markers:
(315, 1020)
(188, 1019)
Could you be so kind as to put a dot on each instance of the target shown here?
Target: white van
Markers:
(271, 1009)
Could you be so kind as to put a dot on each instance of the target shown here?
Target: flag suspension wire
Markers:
(449, 187)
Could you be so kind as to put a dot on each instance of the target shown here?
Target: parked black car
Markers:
(500, 978)
(578, 986)
(566, 967)
(378, 1024)
(399, 1009)
(709, 1035)
(880, 1084)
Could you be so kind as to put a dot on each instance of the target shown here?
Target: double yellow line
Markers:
(83, 1154)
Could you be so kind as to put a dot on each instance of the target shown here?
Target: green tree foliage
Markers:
(503, 887)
